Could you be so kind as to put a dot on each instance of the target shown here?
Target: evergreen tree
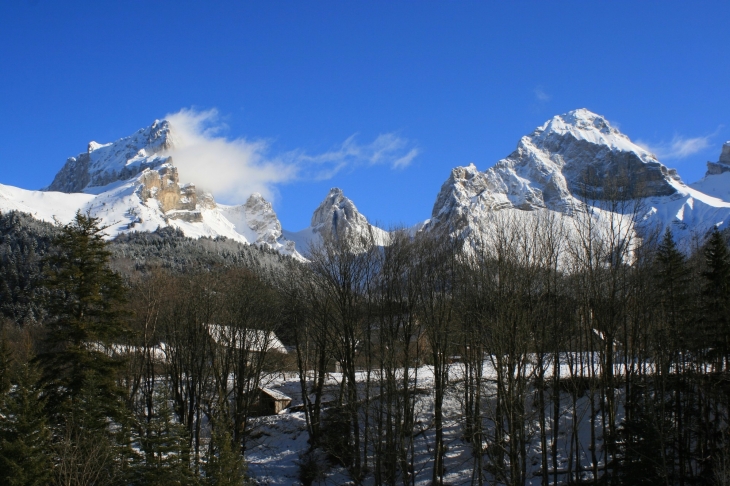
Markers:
(673, 281)
(5, 364)
(165, 447)
(225, 466)
(24, 434)
(716, 295)
(85, 318)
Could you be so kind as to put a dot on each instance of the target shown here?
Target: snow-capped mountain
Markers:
(336, 214)
(573, 161)
(133, 185)
(103, 164)
(258, 222)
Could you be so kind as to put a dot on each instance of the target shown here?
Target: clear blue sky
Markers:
(459, 81)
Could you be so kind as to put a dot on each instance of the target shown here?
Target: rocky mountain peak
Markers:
(103, 164)
(570, 158)
(337, 212)
(261, 216)
(723, 163)
(580, 123)
(725, 154)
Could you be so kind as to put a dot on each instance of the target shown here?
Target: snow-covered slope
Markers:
(42, 205)
(336, 214)
(257, 221)
(573, 162)
(132, 185)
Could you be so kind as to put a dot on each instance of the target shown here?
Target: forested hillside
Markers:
(26, 241)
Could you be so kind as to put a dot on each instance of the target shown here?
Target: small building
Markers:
(254, 340)
(271, 402)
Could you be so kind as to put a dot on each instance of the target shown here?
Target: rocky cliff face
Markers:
(257, 218)
(175, 200)
(132, 185)
(723, 164)
(573, 160)
(103, 164)
(577, 155)
(336, 214)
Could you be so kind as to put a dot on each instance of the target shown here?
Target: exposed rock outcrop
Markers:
(174, 199)
(723, 164)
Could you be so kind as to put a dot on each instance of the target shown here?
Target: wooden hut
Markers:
(271, 402)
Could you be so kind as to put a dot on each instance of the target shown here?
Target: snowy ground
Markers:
(278, 440)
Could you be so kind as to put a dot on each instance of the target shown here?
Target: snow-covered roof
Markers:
(276, 395)
(250, 339)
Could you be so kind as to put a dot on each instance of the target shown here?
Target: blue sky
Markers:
(379, 98)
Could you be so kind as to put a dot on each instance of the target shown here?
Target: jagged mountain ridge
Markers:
(103, 164)
(133, 185)
(573, 160)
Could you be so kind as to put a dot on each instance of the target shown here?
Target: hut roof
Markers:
(276, 395)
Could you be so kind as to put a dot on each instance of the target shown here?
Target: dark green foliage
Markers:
(225, 465)
(24, 434)
(84, 454)
(84, 302)
(337, 436)
(674, 300)
(169, 248)
(642, 451)
(716, 292)
(24, 243)
(5, 364)
(164, 444)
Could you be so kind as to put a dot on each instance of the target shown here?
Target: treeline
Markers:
(26, 241)
(562, 350)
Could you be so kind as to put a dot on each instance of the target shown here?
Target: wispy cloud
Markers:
(541, 95)
(679, 147)
(233, 169)
(386, 149)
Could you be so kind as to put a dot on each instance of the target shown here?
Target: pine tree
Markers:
(716, 295)
(165, 447)
(225, 466)
(24, 434)
(85, 320)
(673, 283)
(5, 364)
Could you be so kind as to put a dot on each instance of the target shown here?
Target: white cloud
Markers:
(233, 169)
(230, 169)
(678, 148)
(541, 95)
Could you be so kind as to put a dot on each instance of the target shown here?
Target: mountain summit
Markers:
(336, 214)
(133, 185)
(103, 164)
(574, 159)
